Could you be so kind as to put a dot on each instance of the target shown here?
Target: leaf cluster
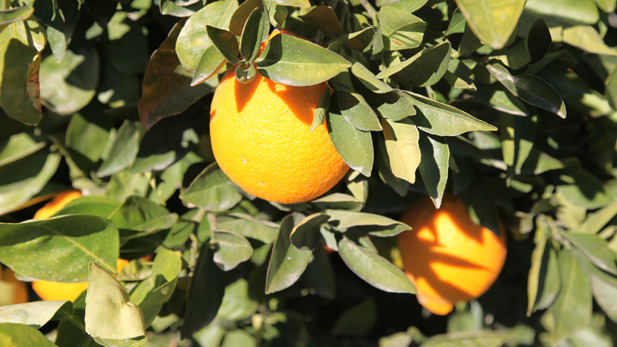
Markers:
(511, 106)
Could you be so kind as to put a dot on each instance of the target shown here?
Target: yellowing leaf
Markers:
(492, 21)
(109, 313)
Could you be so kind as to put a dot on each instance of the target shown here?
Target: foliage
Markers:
(511, 105)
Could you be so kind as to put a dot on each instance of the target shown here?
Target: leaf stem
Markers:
(369, 8)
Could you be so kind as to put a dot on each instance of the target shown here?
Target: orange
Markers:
(12, 290)
(260, 139)
(56, 204)
(447, 256)
(48, 290)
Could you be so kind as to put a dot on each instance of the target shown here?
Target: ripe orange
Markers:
(12, 290)
(447, 256)
(56, 204)
(261, 140)
(49, 290)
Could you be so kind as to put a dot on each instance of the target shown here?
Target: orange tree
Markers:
(504, 112)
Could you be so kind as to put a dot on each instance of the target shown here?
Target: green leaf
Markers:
(594, 248)
(374, 269)
(355, 146)
(357, 112)
(165, 86)
(596, 221)
(211, 62)
(168, 141)
(605, 293)
(21, 43)
(502, 100)
(319, 275)
(212, 190)
(457, 24)
(473, 338)
(403, 29)
(287, 262)
(293, 3)
(15, 14)
(321, 110)
(538, 40)
(126, 44)
(193, 39)
(459, 75)
(296, 62)
(339, 201)
(88, 134)
(205, 293)
(530, 89)
(403, 148)
(588, 39)
(13, 334)
(250, 227)
(255, 31)
(139, 216)
(394, 105)
(544, 281)
(18, 146)
(225, 42)
(70, 84)
(423, 69)
(493, 23)
(22, 179)
(305, 235)
(610, 88)
(124, 149)
(572, 308)
(440, 119)
(358, 320)
(231, 249)
(35, 314)
(368, 79)
(584, 189)
(607, 6)
(373, 224)
(109, 313)
(518, 134)
(400, 186)
(323, 18)
(434, 166)
(60, 19)
(59, 249)
(158, 288)
(237, 303)
(564, 11)
(242, 13)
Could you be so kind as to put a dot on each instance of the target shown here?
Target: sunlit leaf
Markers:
(296, 62)
(21, 43)
(212, 190)
(492, 22)
(374, 269)
(109, 313)
(287, 262)
(59, 249)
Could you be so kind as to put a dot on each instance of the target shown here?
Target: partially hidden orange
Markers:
(56, 204)
(49, 290)
(447, 256)
(12, 290)
(261, 140)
